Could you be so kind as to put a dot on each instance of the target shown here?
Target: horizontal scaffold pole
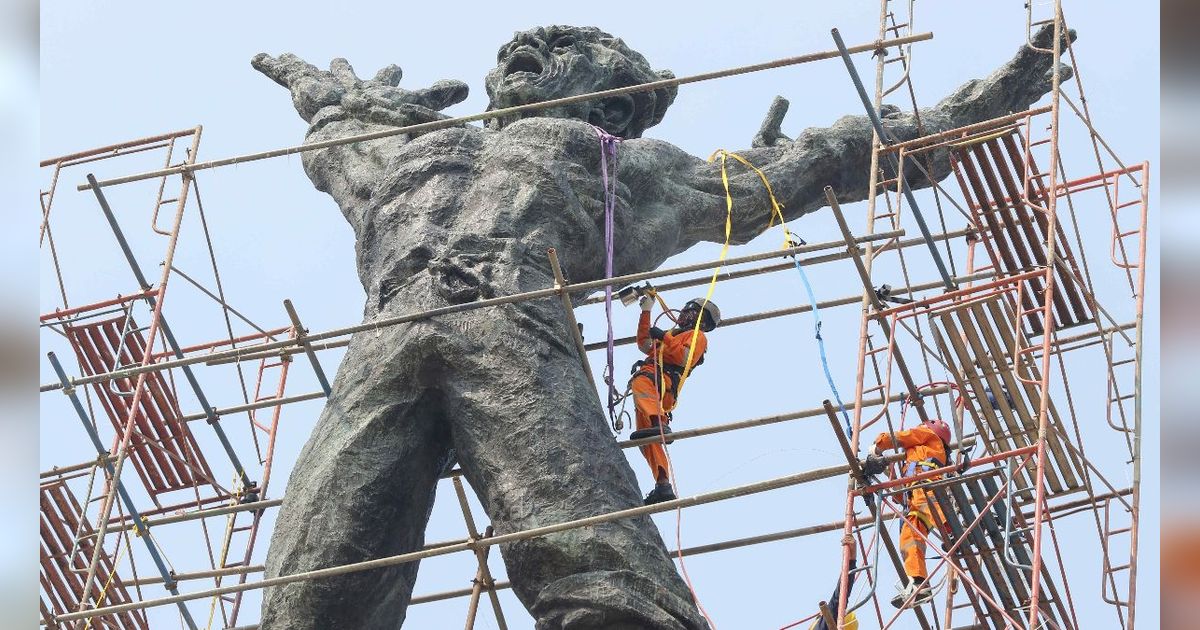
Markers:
(687, 551)
(1056, 511)
(804, 308)
(666, 506)
(645, 510)
(618, 281)
(874, 46)
(122, 524)
(815, 260)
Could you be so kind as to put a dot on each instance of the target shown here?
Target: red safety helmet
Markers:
(939, 427)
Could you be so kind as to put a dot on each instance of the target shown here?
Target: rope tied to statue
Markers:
(608, 163)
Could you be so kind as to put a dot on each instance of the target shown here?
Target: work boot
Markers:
(661, 492)
(654, 430)
(924, 594)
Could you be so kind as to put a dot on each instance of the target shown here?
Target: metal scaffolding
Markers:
(994, 331)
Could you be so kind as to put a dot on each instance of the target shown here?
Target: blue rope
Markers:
(812, 299)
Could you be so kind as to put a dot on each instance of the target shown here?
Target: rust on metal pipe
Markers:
(912, 146)
(121, 299)
(117, 147)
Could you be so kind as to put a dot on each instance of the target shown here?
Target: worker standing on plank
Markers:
(672, 355)
(926, 447)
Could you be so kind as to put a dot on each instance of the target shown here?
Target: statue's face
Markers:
(556, 61)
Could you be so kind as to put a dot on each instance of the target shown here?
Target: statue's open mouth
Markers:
(524, 64)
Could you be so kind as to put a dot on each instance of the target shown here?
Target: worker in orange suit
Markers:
(926, 447)
(653, 398)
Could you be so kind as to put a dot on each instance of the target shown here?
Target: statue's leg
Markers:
(362, 488)
(531, 437)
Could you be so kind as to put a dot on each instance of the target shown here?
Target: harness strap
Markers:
(930, 463)
(647, 369)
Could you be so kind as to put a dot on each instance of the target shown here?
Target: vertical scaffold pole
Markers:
(1048, 324)
(868, 296)
(1137, 404)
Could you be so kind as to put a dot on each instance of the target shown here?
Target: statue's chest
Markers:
(555, 172)
(538, 177)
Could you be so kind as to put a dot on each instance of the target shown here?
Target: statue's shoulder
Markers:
(547, 129)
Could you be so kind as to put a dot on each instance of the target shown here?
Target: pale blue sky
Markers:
(111, 73)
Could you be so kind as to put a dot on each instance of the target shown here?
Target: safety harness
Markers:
(924, 465)
(668, 369)
(916, 468)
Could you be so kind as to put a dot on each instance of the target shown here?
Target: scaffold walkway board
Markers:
(990, 361)
(1008, 196)
(1001, 572)
(163, 449)
(64, 564)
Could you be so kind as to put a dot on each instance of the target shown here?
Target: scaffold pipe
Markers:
(519, 109)
(618, 281)
(645, 510)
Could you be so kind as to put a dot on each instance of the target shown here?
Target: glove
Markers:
(874, 465)
(657, 333)
(646, 302)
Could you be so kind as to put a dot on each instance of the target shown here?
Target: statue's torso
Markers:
(476, 210)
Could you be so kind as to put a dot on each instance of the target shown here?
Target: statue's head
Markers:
(557, 61)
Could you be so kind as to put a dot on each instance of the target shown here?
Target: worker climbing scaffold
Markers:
(926, 447)
(671, 357)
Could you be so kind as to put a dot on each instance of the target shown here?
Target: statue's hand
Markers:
(1043, 40)
(377, 100)
(1014, 87)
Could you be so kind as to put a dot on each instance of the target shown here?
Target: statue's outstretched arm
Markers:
(336, 103)
(837, 156)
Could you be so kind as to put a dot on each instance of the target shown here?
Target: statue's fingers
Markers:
(1065, 73)
(293, 64)
(286, 69)
(440, 95)
(389, 75)
(271, 67)
(343, 72)
(1044, 37)
(770, 132)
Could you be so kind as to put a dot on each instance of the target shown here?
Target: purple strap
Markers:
(608, 151)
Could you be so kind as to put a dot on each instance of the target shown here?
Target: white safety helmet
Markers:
(711, 314)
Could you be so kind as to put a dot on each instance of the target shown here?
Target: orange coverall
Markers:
(646, 399)
(921, 447)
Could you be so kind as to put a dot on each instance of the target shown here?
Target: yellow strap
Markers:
(107, 583)
(776, 211)
(712, 284)
(776, 207)
(661, 302)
